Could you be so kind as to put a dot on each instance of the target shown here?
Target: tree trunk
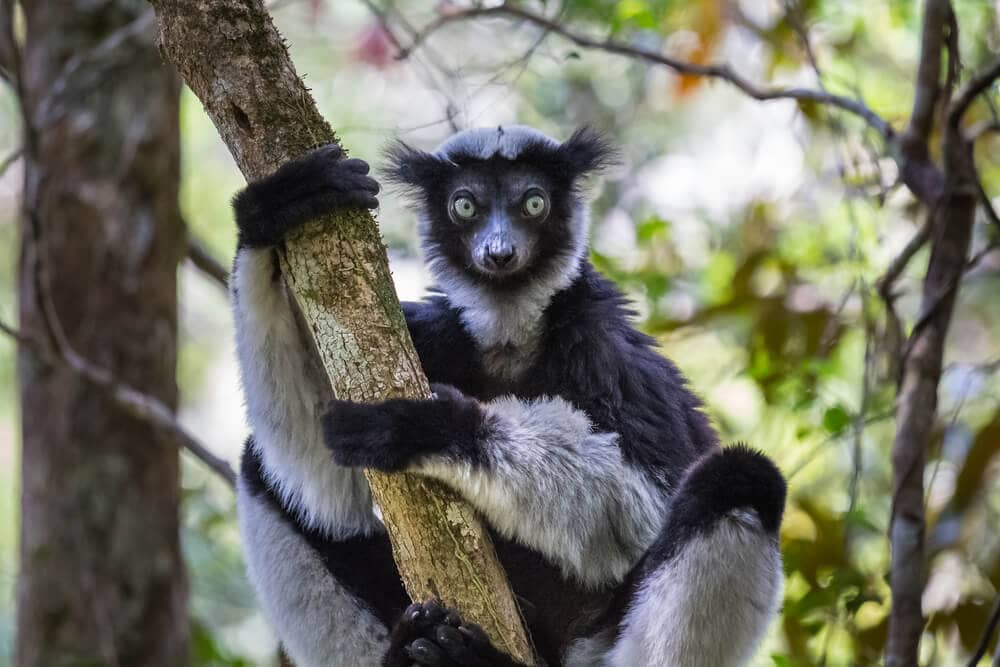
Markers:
(101, 577)
(233, 58)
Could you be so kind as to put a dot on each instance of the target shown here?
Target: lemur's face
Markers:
(500, 207)
(499, 220)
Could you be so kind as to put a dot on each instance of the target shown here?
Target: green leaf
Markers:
(836, 419)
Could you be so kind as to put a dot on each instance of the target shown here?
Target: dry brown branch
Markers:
(984, 639)
(6, 163)
(204, 261)
(722, 72)
(234, 60)
(974, 87)
(917, 170)
(952, 219)
(135, 402)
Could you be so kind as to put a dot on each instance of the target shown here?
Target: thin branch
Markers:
(10, 160)
(204, 261)
(971, 90)
(975, 260)
(8, 44)
(16, 334)
(133, 401)
(74, 77)
(984, 639)
(982, 128)
(796, 18)
(721, 71)
(954, 59)
(984, 197)
(899, 264)
(928, 87)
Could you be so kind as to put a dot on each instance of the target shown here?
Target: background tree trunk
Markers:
(101, 574)
(233, 58)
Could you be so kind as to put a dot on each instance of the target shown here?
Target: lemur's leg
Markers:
(321, 619)
(707, 589)
(536, 469)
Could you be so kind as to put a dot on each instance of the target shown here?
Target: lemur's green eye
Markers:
(534, 205)
(464, 207)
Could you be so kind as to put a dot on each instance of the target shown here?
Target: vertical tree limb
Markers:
(233, 58)
(952, 219)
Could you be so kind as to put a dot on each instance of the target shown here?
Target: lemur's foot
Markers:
(431, 635)
(320, 183)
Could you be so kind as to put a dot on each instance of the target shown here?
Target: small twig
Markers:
(928, 85)
(981, 255)
(899, 264)
(8, 45)
(721, 71)
(133, 401)
(10, 159)
(984, 639)
(971, 90)
(954, 59)
(204, 261)
(16, 334)
(51, 108)
(982, 128)
(796, 17)
(984, 197)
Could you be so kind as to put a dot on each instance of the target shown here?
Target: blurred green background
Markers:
(749, 234)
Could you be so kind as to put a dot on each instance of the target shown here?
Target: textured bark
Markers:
(101, 577)
(233, 58)
(916, 405)
(916, 412)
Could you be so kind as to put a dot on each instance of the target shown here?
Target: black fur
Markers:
(392, 435)
(735, 478)
(589, 354)
(301, 190)
(557, 169)
(431, 635)
(363, 565)
(593, 357)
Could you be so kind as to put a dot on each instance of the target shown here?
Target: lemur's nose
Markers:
(499, 258)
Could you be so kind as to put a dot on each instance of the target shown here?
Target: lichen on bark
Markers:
(235, 61)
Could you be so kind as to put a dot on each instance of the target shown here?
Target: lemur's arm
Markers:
(318, 602)
(283, 383)
(536, 469)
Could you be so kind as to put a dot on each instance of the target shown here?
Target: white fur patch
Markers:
(710, 605)
(556, 486)
(506, 323)
(320, 623)
(285, 397)
(507, 141)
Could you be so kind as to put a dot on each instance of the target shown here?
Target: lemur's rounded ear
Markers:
(588, 151)
(411, 167)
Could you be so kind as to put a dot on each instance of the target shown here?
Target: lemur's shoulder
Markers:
(622, 377)
(440, 340)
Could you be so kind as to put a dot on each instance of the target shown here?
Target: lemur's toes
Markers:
(349, 180)
(443, 639)
(356, 165)
(723, 483)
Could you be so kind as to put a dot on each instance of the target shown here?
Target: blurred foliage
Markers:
(750, 235)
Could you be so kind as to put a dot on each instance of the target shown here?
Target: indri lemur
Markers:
(630, 537)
